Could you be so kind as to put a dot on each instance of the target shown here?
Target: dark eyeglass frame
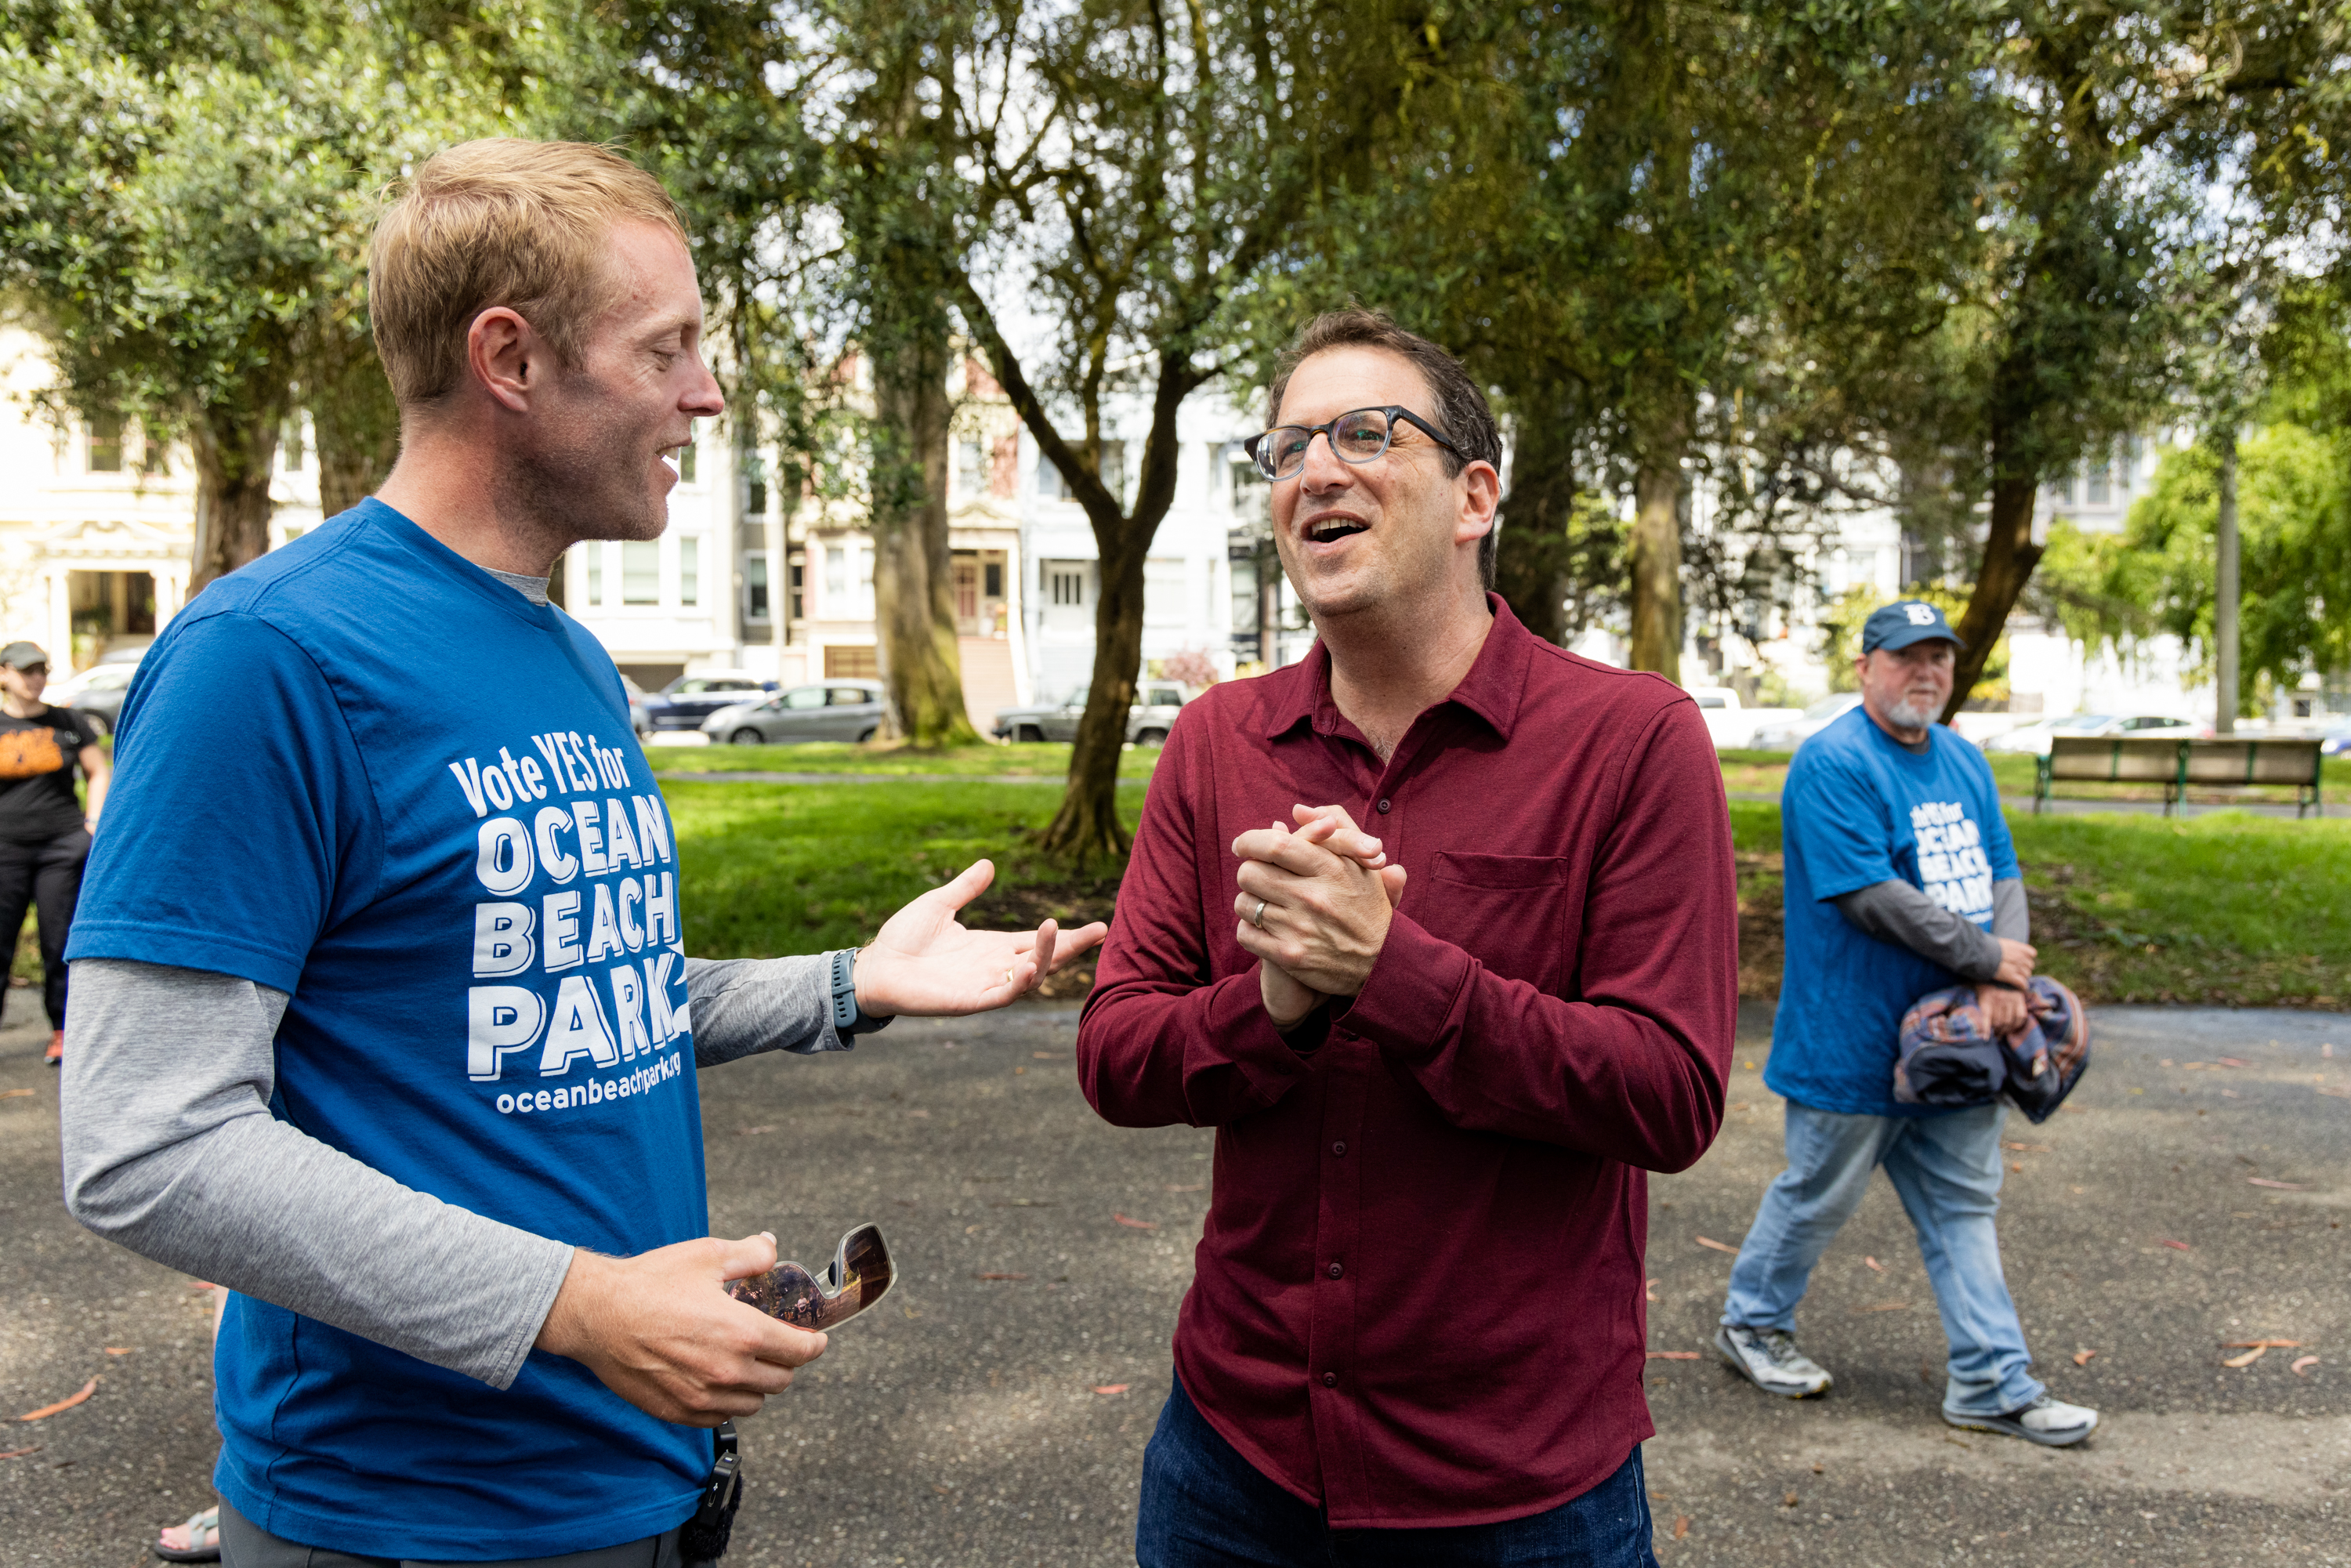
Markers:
(861, 1274)
(1393, 412)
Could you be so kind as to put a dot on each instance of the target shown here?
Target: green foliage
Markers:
(2294, 499)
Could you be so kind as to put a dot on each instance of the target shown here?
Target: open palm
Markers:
(925, 962)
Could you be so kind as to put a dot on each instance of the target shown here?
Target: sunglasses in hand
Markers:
(860, 1275)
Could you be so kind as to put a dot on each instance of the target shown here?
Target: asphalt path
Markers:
(993, 1409)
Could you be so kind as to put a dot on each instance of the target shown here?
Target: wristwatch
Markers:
(848, 1020)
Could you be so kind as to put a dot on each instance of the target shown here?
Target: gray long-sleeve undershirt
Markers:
(1895, 912)
(170, 1150)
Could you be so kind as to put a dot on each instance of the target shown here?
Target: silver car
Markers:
(1156, 704)
(833, 710)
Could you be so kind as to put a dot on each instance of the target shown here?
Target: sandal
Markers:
(204, 1539)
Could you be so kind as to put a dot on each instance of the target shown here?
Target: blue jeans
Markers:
(1204, 1506)
(1947, 1171)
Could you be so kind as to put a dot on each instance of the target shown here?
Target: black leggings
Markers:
(45, 874)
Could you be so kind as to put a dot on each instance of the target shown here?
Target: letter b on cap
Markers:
(1920, 615)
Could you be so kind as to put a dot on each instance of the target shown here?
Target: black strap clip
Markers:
(703, 1539)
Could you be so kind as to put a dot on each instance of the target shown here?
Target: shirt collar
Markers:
(1491, 690)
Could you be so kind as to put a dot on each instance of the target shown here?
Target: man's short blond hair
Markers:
(506, 222)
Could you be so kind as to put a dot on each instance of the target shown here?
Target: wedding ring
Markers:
(1258, 919)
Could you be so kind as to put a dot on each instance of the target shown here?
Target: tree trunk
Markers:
(1531, 558)
(1658, 561)
(235, 450)
(2227, 584)
(914, 590)
(356, 422)
(2009, 557)
(1087, 827)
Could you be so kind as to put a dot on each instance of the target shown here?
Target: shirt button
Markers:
(1336, 1270)
(1339, 1148)
(1384, 808)
(1330, 1380)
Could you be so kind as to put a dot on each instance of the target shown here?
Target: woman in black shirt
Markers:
(44, 829)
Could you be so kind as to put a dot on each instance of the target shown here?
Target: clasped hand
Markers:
(2002, 997)
(1313, 908)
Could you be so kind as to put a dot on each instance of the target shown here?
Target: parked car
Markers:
(836, 710)
(97, 692)
(2334, 740)
(1790, 734)
(1156, 704)
(640, 714)
(687, 700)
(2033, 738)
(1732, 725)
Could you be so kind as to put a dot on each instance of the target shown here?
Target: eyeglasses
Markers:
(1358, 437)
(861, 1275)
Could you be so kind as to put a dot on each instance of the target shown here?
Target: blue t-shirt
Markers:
(1859, 808)
(363, 772)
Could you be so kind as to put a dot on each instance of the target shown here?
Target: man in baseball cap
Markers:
(45, 826)
(1900, 880)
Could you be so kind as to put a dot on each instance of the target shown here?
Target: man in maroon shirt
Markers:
(1416, 1329)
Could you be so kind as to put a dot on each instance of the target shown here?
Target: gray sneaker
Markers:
(1769, 1359)
(2052, 1423)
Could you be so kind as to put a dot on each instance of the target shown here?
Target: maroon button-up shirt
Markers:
(1418, 1300)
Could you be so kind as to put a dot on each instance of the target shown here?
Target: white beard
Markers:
(1909, 716)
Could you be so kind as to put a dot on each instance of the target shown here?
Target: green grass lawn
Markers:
(770, 869)
(1047, 760)
(2228, 908)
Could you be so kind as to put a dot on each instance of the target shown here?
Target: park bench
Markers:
(2177, 764)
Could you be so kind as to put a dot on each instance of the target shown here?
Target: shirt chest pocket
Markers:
(1520, 915)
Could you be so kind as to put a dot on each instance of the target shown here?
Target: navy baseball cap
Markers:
(1903, 622)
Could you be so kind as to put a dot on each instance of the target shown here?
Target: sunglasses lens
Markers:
(860, 1275)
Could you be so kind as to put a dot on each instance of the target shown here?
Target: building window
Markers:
(836, 579)
(689, 569)
(640, 572)
(755, 586)
(2099, 491)
(852, 665)
(106, 443)
(798, 606)
(685, 461)
(595, 573)
(1068, 588)
(971, 469)
(754, 487)
(995, 573)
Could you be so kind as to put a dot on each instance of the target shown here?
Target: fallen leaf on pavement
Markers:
(1135, 1224)
(2081, 1357)
(2302, 1365)
(2176, 1246)
(1651, 1291)
(1717, 1245)
(1874, 1266)
(1044, 1055)
(15, 1095)
(1788, 1501)
(2250, 1356)
(1108, 1388)
(2232, 1061)
(2281, 1186)
(20, 1453)
(1681, 1525)
(1194, 1187)
(1673, 1356)
(999, 1276)
(67, 1403)
(118, 1350)
(2265, 1344)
